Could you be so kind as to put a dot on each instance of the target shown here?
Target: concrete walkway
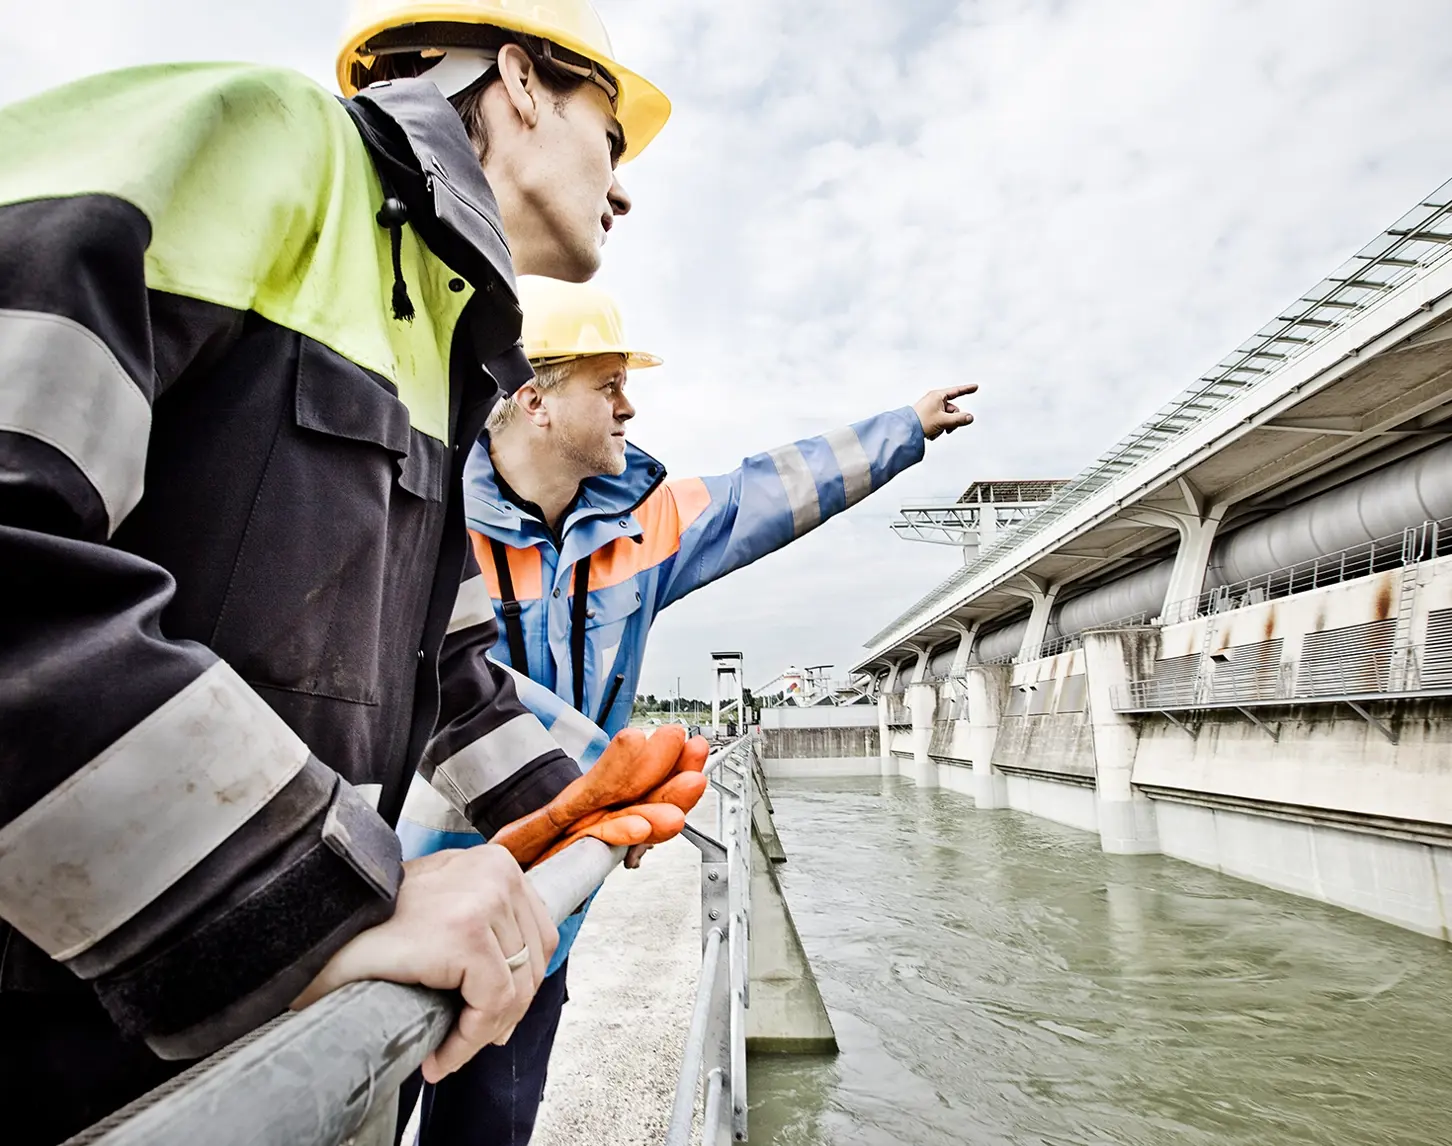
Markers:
(632, 981)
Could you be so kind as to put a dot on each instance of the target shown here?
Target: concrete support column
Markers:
(884, 757)
(1196, 523)
(1111, 659)
(965, 650)
(922, 700)
(1042, 594)
(1192, 559)
(987, 697)
(884, 733)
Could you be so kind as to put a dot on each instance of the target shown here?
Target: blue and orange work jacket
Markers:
(640, 543)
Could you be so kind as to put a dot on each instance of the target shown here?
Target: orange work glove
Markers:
(629, 768)
(663, 809)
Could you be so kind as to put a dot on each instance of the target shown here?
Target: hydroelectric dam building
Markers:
(1229, 639)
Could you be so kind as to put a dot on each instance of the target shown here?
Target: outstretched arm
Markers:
(729, 521)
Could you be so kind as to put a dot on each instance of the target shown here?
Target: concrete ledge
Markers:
(758, 1045)
(1415, 831)
(1049, 775)
(787, 1015)
(830, 766)
(1066, 804)
(1398, 881)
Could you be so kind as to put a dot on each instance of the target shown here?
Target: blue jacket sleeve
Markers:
(729, 521)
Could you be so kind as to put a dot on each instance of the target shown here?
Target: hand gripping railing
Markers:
(329, 1075)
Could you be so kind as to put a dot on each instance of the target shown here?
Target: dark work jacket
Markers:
(231, 530)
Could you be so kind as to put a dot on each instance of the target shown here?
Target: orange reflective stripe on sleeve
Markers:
(525, 569)
(691, 497)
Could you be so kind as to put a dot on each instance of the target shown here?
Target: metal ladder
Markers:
(1204, 674)
(1403, 665)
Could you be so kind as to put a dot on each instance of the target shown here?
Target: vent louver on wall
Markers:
(1251, 672)
(1173, 682)
(1436, 664)
(1352, 659)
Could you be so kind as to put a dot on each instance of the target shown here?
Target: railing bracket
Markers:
(1274, 733)
(711, 849)
(1184, 725)
(1373, 721)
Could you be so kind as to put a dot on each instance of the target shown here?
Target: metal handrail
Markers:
(330, 1073)
(1386, 673)
(683, 1110)
(1425, 542)
(1430, 539)
(717, 1034)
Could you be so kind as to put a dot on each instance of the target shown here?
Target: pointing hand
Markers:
(935, 410)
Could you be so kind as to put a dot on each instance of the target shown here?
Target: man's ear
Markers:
(520, 82)
(531, 404)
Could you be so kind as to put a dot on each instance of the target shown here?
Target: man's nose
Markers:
(619, 197)
(624, 411)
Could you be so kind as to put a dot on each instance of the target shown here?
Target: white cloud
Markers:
(1080, 206)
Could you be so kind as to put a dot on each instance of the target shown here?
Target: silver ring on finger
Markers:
(518, 959)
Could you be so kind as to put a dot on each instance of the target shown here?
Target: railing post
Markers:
(723, 928)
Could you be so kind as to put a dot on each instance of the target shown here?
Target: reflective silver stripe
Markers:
(429, 809)
(801, 488)
(370, 793)
(61, 384)
(492, 759)
(853, 461)
(115, 835)
(473, 606)
(574, 732)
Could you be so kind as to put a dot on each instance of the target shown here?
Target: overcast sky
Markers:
(1078, 205)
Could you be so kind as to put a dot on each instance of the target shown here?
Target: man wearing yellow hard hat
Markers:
(244, 327)
(583, 541)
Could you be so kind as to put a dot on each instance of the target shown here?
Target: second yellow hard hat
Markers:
(573, 320)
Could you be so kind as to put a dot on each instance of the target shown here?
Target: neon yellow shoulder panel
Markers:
(261, 196)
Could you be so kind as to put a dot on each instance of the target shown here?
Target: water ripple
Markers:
(998, 980)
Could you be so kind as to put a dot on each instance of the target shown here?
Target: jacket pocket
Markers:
(608, 630)
(332, 582)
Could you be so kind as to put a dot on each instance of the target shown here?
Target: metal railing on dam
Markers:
(329, 1075)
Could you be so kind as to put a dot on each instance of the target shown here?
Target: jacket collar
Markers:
(424, 157)
(605, 496)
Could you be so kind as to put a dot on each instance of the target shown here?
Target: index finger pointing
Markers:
(959, 390)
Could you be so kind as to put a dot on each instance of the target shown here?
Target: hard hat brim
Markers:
(634, 359)
(642, 108)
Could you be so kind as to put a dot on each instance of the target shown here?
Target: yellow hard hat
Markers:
(573, 320)
(571, 24)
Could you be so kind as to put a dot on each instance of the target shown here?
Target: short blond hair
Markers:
(547, 376)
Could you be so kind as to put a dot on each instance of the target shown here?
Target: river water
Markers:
(995, 978)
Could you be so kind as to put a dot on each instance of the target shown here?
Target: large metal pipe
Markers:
(1378, 504)
(1142, 591)
(1003, 641)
